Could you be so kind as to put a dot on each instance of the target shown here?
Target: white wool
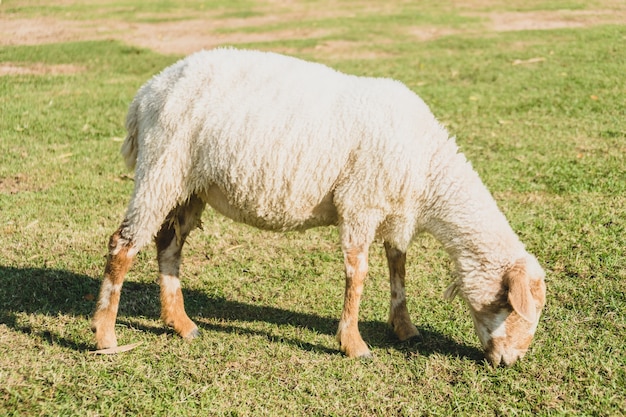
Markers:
(283, 144)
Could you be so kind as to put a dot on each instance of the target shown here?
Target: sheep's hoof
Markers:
(405, 331)
(104, 334)
(192, 334)
(358, 353)
(412, 341)
(106, 342)
(355, 348)
(408, 337)
(366, 357)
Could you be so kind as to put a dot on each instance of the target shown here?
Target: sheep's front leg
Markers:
(350, 341)
(119, 260)
(169, 243)
(399, 318)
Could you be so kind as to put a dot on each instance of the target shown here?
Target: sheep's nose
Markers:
(509, 360)
(517, 355)
(494, 358)
(504, 358)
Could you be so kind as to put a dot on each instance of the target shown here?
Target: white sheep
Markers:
(282, 144)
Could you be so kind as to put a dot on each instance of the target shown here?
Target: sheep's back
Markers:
(267, 139)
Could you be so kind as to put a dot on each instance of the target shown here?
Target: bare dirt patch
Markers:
(38, 68)
(343, 49)
(190, 36)
(208, 31)
(558, 19)
(425, 34)
(35, 31)
(174, 37)
(17, 184)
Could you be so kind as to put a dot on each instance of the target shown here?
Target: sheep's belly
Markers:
(276, 217)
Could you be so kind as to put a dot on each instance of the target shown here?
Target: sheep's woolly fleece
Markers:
(284, 144)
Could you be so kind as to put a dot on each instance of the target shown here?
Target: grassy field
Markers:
(534, 93)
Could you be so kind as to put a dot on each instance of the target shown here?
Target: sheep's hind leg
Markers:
(119, 260)
(348, 335)
(399, 318)
(169, 242)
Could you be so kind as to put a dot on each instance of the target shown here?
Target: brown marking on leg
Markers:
(119, 261)
(173, 308)
(348, 335)
(399, 319)
(169, 241)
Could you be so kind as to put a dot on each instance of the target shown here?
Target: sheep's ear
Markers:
(520, 297)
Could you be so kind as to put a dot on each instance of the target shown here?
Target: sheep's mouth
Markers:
(504, 358)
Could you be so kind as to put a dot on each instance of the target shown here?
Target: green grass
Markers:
(548, 138)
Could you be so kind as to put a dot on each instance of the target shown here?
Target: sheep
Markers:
(283, 144)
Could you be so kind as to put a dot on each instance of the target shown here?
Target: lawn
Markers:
(534, 94)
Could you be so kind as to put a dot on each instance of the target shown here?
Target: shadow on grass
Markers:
(58, 292)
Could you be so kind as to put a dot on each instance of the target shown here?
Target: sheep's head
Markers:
(506, 325)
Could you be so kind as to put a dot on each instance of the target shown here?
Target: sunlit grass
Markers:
(539, 113)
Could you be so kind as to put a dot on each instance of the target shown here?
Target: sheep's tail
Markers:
(129, 147)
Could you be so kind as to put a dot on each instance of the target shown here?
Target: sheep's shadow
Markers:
(54, 292)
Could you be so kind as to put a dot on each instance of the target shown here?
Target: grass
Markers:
(547, 135)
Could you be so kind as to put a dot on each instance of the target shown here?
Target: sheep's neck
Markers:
(464, 217)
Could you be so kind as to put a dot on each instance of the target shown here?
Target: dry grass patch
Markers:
(547, 137)
(174, 37)
(18, 183)
(557, 19)
(38, 68)
(43, 30)
(177, 33)
(341, 49)
(426, 33)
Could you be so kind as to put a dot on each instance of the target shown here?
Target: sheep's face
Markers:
(507, 325)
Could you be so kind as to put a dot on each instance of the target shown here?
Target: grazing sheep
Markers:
(282, 144)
